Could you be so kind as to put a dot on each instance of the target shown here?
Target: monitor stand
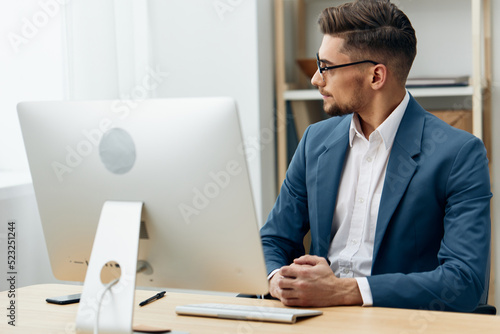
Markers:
(116, 240)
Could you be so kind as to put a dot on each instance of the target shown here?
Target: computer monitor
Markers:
(182, 159)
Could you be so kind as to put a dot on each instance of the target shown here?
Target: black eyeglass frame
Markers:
(326, 68)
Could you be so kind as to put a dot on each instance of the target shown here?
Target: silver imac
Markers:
(166, 176)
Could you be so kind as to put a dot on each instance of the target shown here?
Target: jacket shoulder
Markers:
(324, 130)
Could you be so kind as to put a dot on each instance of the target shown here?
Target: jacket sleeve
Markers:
(283, 233)
(459, 280)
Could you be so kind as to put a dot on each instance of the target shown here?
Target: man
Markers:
(397, 201)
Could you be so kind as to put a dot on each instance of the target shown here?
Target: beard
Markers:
(355, 104)
(337, 110)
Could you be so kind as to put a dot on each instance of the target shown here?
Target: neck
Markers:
(380, 107)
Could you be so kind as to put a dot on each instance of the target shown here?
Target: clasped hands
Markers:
(309, 281)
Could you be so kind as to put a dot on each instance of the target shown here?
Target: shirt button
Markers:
(345, 271)
(369, 159)
(361, 200)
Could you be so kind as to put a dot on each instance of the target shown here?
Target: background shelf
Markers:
(313, 94)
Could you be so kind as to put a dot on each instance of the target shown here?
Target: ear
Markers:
(379, 76)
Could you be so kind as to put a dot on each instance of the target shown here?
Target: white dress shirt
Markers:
(358, 199)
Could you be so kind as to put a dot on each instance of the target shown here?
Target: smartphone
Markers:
(63, 300)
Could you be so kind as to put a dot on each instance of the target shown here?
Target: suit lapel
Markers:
(329, 170)
(400, 168)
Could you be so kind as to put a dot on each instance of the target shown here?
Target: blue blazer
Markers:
(432, 240)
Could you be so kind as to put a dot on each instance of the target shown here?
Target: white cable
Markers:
(106, 289)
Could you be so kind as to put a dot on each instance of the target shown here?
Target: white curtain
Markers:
(107, 45)
(30, 67)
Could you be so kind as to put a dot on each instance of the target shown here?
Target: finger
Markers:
(289, 294)
(292, 298)
(289, 271)
(274, 288)
(275, 292)
(291, 302)
(309, 260)
(305, 257)
(286, 283)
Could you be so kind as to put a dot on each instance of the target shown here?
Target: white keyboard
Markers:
(246, 312)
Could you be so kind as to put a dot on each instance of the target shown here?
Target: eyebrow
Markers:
(327, 62)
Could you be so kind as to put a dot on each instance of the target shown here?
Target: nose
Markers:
(317, 80)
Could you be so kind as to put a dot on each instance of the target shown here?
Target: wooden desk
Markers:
(34, 315)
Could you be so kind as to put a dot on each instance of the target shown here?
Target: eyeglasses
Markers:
(326, 68)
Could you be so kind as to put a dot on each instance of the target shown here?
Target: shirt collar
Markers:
(387, 130)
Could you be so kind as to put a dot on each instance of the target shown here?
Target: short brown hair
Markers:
(373, 28)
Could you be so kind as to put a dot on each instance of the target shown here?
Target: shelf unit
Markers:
(478, 90)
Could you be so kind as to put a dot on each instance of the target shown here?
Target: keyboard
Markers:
(246, 312)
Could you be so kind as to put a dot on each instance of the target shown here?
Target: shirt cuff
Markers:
(364, 289)
(272, 274)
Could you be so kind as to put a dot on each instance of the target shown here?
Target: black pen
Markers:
(152, 299)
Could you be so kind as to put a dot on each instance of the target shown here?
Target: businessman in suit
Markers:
(397, 201)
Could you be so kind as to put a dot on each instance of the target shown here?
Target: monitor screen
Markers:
(182, 158)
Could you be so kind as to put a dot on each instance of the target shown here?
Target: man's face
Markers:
(343, 89)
